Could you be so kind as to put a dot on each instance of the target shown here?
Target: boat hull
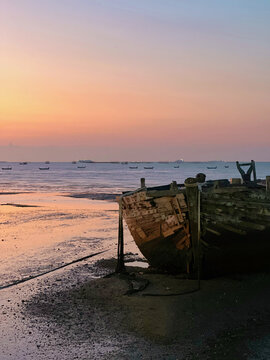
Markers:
(235, 229)
(160, 228)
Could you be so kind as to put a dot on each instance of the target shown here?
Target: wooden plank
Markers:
(161, 193)
(268, 184)
(236, 181)
(232, 229)
(213, 231)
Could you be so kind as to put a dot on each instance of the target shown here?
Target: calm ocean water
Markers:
(107, 177)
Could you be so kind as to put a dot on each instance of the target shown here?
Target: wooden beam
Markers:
(120, 267)
(193, 200)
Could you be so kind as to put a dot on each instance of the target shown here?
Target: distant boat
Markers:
(124, 162)
(226, 166)
(81, 167)
(86, 161)
(211, 167)
(47, 162)
(6, 168)
(176, 167)
(44, 168)
(74, 162)
(133, 167)
(148, 167)
(23, 163)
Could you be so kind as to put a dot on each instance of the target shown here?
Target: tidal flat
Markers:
(84, 311)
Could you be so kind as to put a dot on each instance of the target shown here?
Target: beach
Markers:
(70, 315)
(134, 180)
(52, 309)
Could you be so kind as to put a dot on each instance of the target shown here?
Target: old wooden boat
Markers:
(217, 226)
(44, 168)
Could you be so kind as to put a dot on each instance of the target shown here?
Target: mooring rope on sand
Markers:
(17, 282)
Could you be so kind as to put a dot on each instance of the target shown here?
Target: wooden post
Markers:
(236, 181)
(174, 186)
(142, 182)
(268, 184)
(120, 267)
(254, 170)
(193, 200)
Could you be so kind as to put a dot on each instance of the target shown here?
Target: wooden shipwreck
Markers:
(216, 226)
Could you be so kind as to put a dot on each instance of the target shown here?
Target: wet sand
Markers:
(77, 313)
(42, 231)
(71, 315)
(95, 196)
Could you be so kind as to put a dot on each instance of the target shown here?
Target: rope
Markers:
(17, 282)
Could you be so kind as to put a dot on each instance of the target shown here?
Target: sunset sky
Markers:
(134, 80)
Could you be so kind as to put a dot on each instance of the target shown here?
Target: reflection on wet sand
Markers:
(47, 230)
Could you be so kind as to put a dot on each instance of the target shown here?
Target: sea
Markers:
(65, 177)
(48, 220)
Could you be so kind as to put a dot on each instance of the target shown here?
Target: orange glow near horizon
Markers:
(78, 87)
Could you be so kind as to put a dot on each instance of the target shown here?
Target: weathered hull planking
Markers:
(234, 223)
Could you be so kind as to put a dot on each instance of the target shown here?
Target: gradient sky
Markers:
(134, 80)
